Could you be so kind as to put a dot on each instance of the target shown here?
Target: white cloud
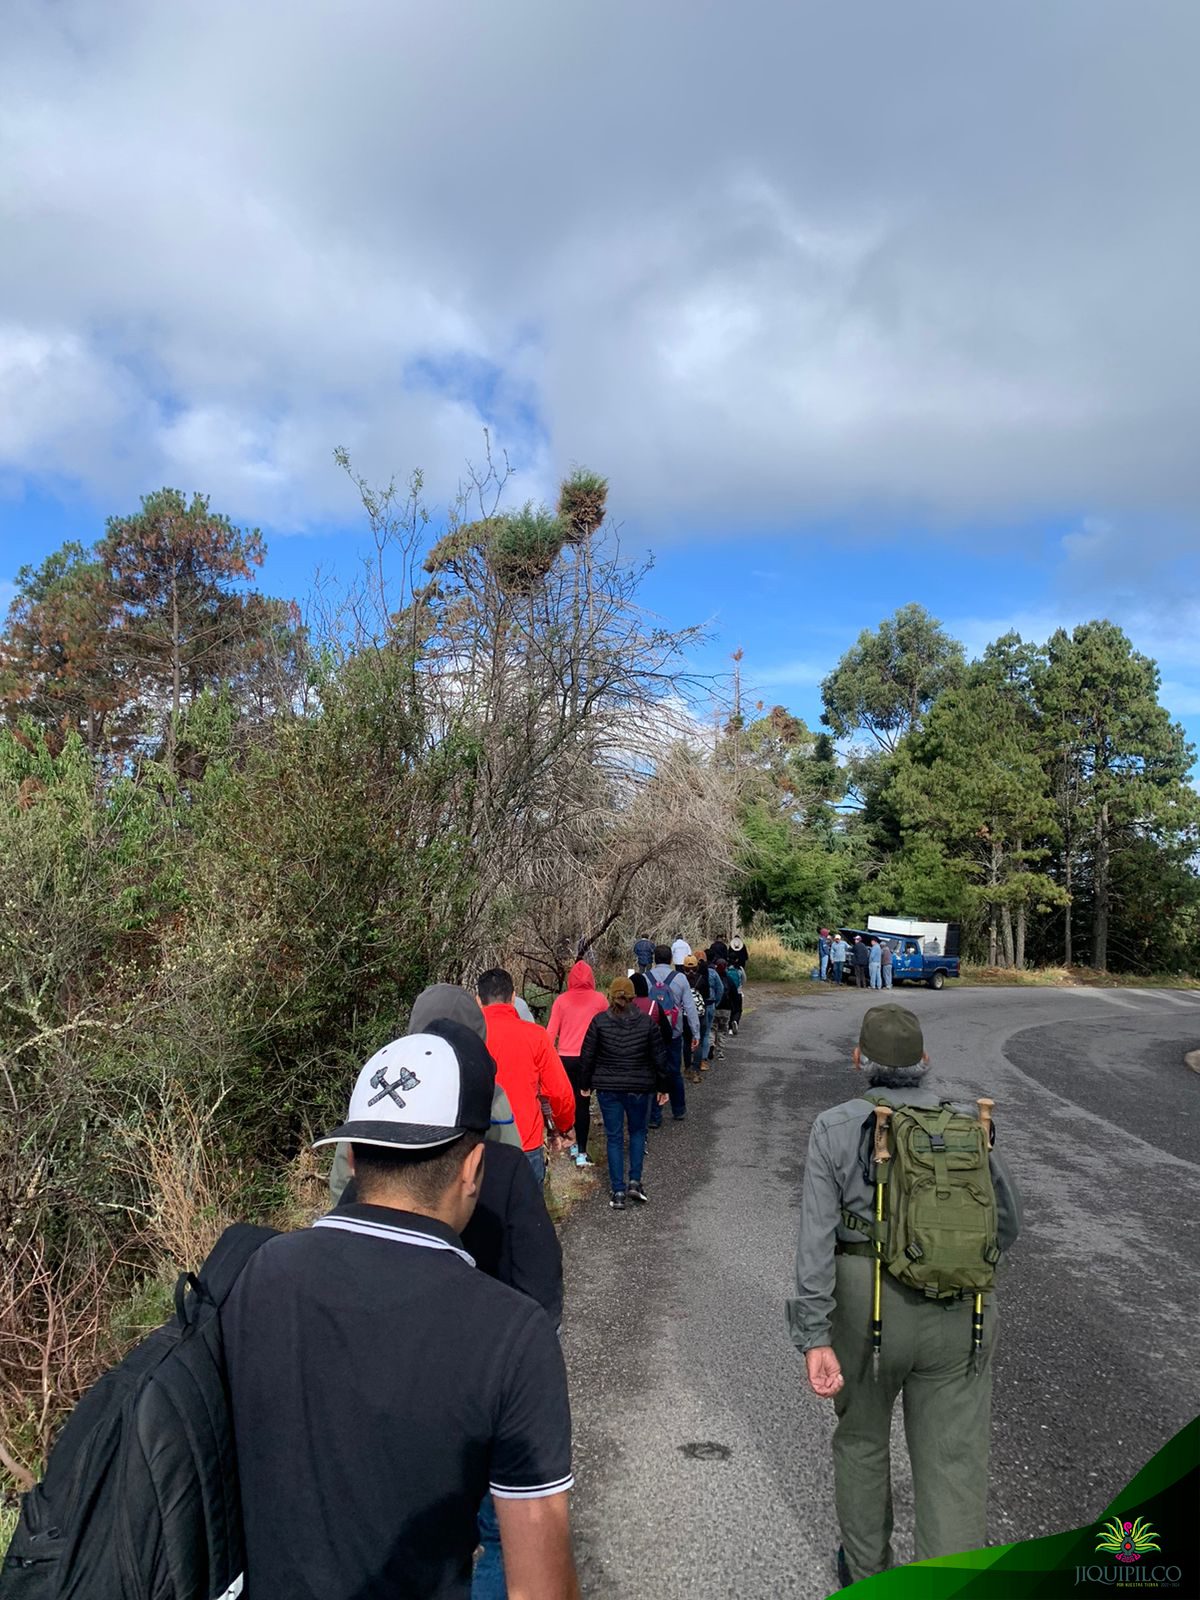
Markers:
(765, 261)
(791, 674)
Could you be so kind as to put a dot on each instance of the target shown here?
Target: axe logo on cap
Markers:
(423, 1090)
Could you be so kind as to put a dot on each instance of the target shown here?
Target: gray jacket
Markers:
(834, 1181)
(685, 999)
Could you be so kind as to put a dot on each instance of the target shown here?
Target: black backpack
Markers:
(140, 1498)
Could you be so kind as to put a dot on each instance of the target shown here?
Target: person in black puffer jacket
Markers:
(624, 1060)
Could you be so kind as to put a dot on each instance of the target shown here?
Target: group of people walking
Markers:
(424, 1307)
(869, 958)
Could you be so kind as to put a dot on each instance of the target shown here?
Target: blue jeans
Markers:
(615, 1107)
(876, 979)
(887, 976)
(710, 1012)
(838, 967)
(677, 1092)
(823, 966)
(537, 1160)
(488, 1582)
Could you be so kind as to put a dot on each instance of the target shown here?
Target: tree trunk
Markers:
(1019, 948)
(1006, 928)
(992, 952)
(1067, 928)
(1100, 925)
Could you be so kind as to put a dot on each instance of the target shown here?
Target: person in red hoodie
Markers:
(569, 1018)
(527, 1068)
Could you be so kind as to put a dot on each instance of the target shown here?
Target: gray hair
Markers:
(895, 1077)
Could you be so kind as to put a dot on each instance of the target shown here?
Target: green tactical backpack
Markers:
(939, 1230)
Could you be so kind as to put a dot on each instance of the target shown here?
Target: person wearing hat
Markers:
(625, 1060)
(824, 945)
(738, 954)
(370, 1415)
(926, 1347)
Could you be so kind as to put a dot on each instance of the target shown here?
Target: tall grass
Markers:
(771, 961)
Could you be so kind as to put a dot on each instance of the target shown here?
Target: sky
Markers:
(853, 305)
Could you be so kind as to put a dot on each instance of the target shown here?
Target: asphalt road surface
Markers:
(702, 1459)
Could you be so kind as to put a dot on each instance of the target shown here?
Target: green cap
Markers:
(891, 1037)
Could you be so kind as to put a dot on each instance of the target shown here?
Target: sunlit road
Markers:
(674, 1328)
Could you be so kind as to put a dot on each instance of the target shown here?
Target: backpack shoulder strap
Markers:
(222, 1268)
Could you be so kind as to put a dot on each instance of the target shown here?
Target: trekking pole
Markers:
(882, 1156)
(986, 1108)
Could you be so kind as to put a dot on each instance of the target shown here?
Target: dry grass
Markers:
(190, 1185)
(56, 1339)
(771, 961)
(1073, 978)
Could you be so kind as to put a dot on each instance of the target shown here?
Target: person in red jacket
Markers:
(569, 1018)
(527, 1068)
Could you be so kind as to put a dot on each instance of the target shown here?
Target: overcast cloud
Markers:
(763, 260)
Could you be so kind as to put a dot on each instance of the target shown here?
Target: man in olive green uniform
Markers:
(926, 1344)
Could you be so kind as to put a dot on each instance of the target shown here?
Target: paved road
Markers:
(674, 1332)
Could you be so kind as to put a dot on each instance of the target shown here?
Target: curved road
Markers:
(701, 1457)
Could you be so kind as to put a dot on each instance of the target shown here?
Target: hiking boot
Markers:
(733, 1029)
(704, 1066)
(617, 1203)
(636, 1192)
(843, 1570)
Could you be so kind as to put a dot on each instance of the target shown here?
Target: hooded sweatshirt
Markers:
(572, 1011)
(528, 1067)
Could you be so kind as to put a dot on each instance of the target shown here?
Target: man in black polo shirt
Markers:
(380, 1384)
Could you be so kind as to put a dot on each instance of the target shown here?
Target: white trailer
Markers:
(937, 938)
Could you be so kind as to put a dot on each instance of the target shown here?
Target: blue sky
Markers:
(854, 306)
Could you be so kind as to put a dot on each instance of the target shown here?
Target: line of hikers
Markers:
(377, 1405)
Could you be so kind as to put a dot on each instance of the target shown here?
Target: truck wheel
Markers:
(938, 980)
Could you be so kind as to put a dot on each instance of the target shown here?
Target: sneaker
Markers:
(843, 1569)
(733, 1029)
(617, 1203)
(636, 1192)
(584, 1160)
(573, 1152)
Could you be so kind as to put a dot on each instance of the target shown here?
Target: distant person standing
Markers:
(624, 1060)
(718, 950)
(885, 963)
(824, 945)
(861, 956)
(679, 952)
(739, 956)
(569, 1018)
(839, 954)
(643, 952)
(875, 961)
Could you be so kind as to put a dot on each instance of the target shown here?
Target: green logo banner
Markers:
(1147, 1542)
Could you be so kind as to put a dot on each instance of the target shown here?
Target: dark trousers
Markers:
(861, 980)
(677, 1092)
(735, 1010)
(837, 968)
(583, 1108)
